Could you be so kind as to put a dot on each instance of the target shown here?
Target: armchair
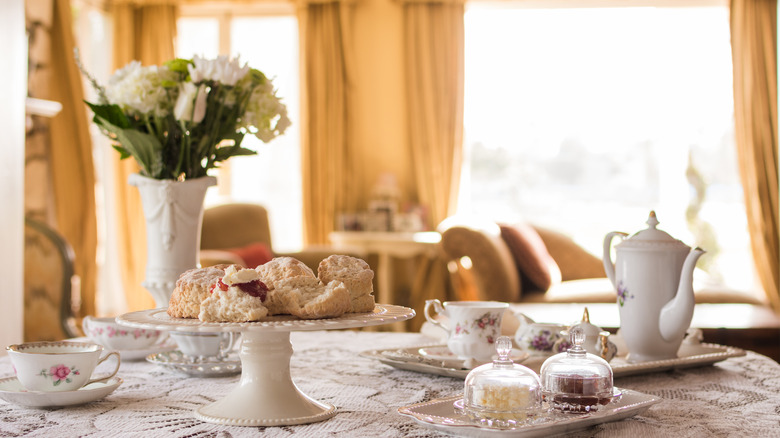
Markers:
(241, 233)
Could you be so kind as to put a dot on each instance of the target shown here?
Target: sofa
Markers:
(526, 263)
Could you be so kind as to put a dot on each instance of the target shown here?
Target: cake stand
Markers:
(266, 394)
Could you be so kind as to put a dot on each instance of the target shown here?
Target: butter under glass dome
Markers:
(577, 381)
(502, 393)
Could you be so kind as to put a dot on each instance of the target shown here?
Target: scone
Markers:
(356, 275)
(280, 268)
(276, 270)
(308, 298)
(192, 288)
(236, 297)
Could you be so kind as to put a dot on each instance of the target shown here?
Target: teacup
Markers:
(58, 366)
(541, 339)
(108, 333)
(195, 344)
(473, 326)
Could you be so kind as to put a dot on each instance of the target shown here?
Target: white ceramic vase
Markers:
(174, 213)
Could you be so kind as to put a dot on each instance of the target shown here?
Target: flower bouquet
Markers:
(181, 119)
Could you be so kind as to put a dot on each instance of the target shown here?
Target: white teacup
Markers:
(108, 333)
(58, 366)
(473, 326)
(204, 344)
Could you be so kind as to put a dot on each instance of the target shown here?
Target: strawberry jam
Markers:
(255, 288)
(219, 284)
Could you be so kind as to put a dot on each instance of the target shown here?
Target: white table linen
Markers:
(734, 398)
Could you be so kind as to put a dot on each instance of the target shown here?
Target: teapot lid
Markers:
(652, 235)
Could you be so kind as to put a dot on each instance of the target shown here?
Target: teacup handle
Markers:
(439, 308)
(85, 324)
(103, 359)
(226, 347)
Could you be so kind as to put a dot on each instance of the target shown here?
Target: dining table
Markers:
(735, 397)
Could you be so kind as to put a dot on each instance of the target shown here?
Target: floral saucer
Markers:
(140, 354)
(13, 392)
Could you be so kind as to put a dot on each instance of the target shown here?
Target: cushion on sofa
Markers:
(573, 260)
(254, 254)
(534, 263)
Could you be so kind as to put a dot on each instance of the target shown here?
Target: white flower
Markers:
(265, 116)
(139, 90)
(191, 104)
(223, 69)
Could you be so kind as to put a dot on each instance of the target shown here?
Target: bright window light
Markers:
(583, 120)
(271, 178)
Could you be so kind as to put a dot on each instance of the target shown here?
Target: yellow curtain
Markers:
(325, 116)
(433, 46)
(434, 71)
(754, 51)
(73, 176)
(144, 30)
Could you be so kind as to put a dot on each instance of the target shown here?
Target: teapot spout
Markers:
(675, 317)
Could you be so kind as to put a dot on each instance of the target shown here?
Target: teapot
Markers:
(653, 276)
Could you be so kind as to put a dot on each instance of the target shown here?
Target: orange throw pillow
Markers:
(253, 255)
(534, 263)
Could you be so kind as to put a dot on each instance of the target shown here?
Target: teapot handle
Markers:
(609, 265)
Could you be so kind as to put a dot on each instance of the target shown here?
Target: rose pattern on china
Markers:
(486, 325)
(59, 373)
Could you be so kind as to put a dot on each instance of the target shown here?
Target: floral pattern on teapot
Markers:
(622, 294)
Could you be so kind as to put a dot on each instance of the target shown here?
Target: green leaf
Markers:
(111, 113)
(145, 148)
(123, 153)
(178, 65)
(224, 153)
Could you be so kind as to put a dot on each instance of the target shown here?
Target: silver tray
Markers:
(689, 356)
(440, 414)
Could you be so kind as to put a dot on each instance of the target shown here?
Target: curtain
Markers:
(144, 30)
(434, 75)
(73, 179)
(433, 47)
(326, 146)
(754, 52)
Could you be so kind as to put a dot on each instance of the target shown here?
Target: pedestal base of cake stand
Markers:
(266, 394)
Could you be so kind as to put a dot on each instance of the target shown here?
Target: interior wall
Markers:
(13, 76)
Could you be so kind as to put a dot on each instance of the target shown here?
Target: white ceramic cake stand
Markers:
(266, 394)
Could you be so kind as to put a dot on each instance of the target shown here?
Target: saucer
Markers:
(201, 367)
(140, 353)
(13, 392)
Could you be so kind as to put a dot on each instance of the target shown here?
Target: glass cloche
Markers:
(502, 393)
(576, 381)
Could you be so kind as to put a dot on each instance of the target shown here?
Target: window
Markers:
(268, 40)
(592, 117)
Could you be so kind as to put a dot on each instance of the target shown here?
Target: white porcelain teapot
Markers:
(653, 276)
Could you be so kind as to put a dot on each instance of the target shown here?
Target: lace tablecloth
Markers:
(738, 397)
